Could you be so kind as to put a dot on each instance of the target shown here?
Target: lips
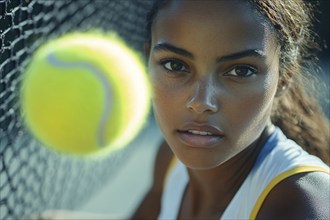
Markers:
(200, 135)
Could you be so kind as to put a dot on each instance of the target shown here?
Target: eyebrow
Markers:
(174, 49)
(233, 56)
(242, 54)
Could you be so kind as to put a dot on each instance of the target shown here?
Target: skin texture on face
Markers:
(214, 70)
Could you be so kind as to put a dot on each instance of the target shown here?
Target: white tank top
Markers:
(279, 159)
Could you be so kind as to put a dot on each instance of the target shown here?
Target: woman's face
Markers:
(214, 69)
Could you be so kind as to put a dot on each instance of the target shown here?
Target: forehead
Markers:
(234, 22)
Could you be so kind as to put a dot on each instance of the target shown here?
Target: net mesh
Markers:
(32, 178)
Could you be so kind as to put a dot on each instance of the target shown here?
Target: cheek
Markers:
(164, 111)
(166, 97)
(163, 101)
(161, 98)
(252, 107)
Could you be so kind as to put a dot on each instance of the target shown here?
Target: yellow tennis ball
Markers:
(84, 93)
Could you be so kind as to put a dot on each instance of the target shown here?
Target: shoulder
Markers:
(301, 196)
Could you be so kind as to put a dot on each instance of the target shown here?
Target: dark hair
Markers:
(297, 112)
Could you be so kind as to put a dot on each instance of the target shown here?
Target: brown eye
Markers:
(242, 71)
(174, 66)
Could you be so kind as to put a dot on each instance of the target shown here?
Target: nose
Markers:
(204, 98)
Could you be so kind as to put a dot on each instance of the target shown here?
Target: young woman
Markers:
(230, 82)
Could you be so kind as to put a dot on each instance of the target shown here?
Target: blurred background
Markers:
(33, 178)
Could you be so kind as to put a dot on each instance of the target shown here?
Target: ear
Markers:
(283, 85)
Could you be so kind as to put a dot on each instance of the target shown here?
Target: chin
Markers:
(200, 164)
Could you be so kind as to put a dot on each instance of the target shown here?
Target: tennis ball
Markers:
(84, 93)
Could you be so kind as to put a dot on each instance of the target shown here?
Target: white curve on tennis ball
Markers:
(52, 59)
